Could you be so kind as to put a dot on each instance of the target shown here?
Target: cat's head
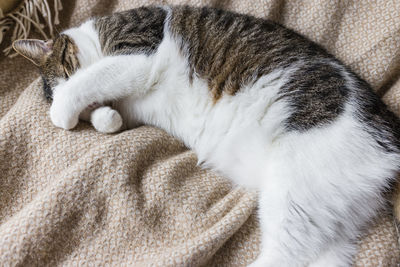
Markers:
(56, 59)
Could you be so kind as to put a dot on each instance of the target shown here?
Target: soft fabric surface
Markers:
(137, 197)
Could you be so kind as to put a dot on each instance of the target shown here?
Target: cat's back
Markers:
(232, 52)
(229, 49)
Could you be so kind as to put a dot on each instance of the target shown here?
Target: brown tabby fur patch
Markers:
(133, 31)
(230, 49)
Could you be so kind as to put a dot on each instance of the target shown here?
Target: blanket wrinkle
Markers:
(138, 198)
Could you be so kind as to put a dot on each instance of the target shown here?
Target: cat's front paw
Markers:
(62, 117)
(106, 120)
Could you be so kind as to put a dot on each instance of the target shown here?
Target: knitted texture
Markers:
(137, 198)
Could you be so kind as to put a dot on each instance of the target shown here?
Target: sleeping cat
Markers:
(257, 102)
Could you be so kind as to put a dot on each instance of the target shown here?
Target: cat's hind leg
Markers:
(106, 120)
(295, 234)
(286, 239)
(338, 255)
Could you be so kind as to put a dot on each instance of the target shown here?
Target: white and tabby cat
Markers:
(257, 102)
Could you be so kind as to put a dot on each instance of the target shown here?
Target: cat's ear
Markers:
(34, 50)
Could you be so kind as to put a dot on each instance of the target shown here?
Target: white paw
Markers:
(106, 120)
(62, 116)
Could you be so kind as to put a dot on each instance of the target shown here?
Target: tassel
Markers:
(28, 15)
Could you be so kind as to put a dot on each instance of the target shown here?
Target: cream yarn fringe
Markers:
(29, 14)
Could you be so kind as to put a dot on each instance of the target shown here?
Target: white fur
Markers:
(106, 120)
(309, 182)
(87, 39)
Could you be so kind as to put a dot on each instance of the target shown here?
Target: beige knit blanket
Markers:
(137, 198)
